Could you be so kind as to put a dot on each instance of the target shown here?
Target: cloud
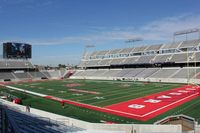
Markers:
(28, 3)
(158, 30)
(163, 29)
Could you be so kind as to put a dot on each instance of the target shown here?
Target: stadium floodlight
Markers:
(90, 46)
(186, 31)
(134, 40)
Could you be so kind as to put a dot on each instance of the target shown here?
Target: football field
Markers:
(111, 101)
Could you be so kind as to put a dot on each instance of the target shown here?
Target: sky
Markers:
(59, 30)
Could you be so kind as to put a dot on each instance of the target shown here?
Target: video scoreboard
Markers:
(17, 50)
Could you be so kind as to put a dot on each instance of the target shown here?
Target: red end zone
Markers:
(148, 107)
(145, 108)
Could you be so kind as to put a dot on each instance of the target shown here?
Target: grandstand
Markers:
(162, 62)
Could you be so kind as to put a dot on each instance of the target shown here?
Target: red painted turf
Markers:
(142, 108)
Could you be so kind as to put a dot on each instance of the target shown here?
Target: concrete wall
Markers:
(164, 80)
(197, 129)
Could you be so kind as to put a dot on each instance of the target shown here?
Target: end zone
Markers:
(153, 105)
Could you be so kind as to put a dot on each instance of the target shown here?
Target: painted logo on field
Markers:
(136, 106)
(183, 91)
(175, 93)
(152, 101)
(190, 89)
(164, 97)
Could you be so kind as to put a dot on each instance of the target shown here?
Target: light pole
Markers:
(85, 53)
(132, 40)
(186, 32)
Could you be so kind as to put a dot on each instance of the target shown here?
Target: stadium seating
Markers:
(145, 59)
(46, 74)
(161, 58)
(197, 76)
(164, 73)
(172, 45)
(105, 62)
(117, 61)
(186, 73)
(78, 73)
(126, 50)
(147, 72)
(23, 75)
(54, 73)
(182, 57)
(122, 72)
(15, 64)
(37, 74)
(190, 43)
(115, 51)
(6, 75)
(99, 73)
(83, 63)
(174, 52)
(131, 60)
(3, 64)
(63, 72)
(140, 49)
(111, 73)
(133, 72)
(154, 47)
(25, 122)
(195, 57)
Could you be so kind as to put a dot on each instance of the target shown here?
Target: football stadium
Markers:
(152, 85)
(143, 88)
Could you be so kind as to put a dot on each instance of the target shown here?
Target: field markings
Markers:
(148, 112)
(170, 104)
(100, 108)
(23, 90)
(111, 99)
(121, 91)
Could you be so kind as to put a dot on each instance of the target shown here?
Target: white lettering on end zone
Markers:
(136, 106)
(175, 93)
(164, 97)
(183, 91)
(152, 101)
(190, 89)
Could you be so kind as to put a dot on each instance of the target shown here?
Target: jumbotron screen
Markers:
(17, 50)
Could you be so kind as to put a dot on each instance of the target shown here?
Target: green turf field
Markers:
(108, 92)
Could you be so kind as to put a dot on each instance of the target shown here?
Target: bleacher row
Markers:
(32, 75)
(179, 52)
(181, 73)
(4, 64)
(24, 122)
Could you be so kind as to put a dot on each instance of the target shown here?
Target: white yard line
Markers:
(22, 90)
(115, 98)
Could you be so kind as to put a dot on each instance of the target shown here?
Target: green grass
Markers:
(112, 92)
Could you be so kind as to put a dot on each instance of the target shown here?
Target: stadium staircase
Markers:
(68, 74)
(174, 73)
